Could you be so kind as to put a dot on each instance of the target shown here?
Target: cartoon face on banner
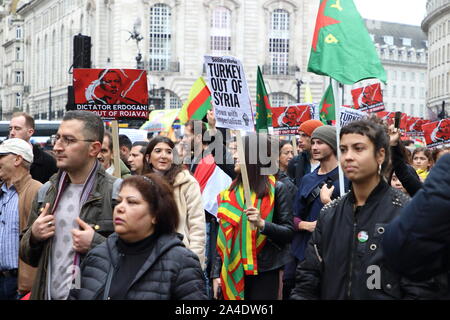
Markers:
(437, 133)
(389, 117)
(368, 98)
(414, 125)
(286, 120)
(111, 93)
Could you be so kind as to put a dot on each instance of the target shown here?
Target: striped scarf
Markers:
(238, 245)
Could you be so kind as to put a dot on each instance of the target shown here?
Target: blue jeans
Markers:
(8, 288)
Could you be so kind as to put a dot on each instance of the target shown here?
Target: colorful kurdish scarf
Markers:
(237, 244)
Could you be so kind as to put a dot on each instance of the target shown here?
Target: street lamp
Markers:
(299, 82)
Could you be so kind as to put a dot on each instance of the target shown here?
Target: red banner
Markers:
(368, 98)
(389, 117)
(111, 93)
(437, 133)
(286, 120)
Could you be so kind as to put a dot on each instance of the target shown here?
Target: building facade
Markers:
(403, 51)
(274, 34)
(437, 25)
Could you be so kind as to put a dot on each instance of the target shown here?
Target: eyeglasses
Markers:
(67, 140)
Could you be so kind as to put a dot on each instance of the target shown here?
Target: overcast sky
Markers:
(401, 11)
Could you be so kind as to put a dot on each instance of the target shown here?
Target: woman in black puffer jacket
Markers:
(144, 259)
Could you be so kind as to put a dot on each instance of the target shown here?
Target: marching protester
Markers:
(241, 275)
(72, 213)
(186, 192)
(286, 154)
(125, 146)
(136, 157)
(212, 166)
(44, 165)
(404, 175)
(343, 259)
(416, 243)
(308, 202)
(144, 259)
(304, 163)
(18, 190)
(422, 162)
(106, 157)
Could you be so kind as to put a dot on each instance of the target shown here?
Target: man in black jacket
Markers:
(303, 163)
(343, 258)
(44, 165)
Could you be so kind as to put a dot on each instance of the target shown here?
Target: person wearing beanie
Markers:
(303, 162)
(315, 187)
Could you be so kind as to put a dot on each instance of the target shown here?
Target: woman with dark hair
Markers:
(144, 259)
(422, 162)
(253, 239)
(186, 191)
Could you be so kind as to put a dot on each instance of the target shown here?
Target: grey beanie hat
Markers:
(327, 134)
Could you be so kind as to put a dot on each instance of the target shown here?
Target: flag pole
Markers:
(337, 109)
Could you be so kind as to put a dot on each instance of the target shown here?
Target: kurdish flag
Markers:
(197, 104)
(341, 46)
(327, 106)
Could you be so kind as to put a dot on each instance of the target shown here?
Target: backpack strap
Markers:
(316, 192)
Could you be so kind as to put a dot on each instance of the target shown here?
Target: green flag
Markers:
(342, 47)
(263, 111)
(327, 106)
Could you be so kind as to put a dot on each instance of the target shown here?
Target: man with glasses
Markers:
(72, 213)
(44, 165)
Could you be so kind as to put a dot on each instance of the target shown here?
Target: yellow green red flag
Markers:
(197, 104)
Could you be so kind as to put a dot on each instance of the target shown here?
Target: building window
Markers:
(422, 92)
(403, 76)
(18, 100)
(160, 37)
(389, 40)
(394, 91)
(413, 76)
(221, 31)
(19, 33)
(18, 54)
(412, 109)
(281, 99)
(174, 102)
(19, 78)
(394, 75)
(413, 90)
(406, 42)
(403, 94)
(279, 42)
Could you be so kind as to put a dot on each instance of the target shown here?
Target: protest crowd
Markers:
(176, 224)
(301, 202)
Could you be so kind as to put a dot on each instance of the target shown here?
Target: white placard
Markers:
(229, 93)
(349, 115)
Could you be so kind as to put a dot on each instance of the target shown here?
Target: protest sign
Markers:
(414, 126)
(437, 133)
(368, 98)
(111, 93)
(349, 115)
(287, 120)
(388, 117)
(229, 92)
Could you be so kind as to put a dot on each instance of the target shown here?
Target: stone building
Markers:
(437, 25)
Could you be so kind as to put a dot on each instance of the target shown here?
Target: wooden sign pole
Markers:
(116, 148)
(294, 145)
(244, 175)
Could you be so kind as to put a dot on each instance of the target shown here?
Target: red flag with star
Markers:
(342, 48)
(327, 106)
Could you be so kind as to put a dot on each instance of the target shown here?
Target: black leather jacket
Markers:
(279, 232)
(344, 259)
